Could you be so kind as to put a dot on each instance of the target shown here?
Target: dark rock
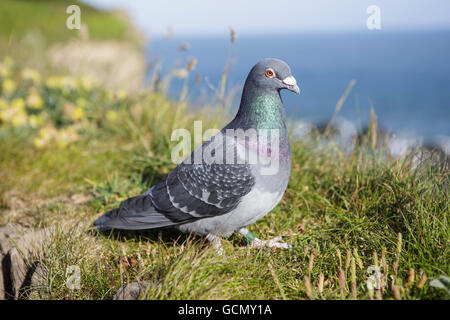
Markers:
(133, 290)
(9, 234)
(19, 251)
(38, 283)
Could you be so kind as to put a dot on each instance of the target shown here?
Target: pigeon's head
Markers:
(273, 74)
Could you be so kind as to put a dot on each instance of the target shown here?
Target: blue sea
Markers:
(404, 76)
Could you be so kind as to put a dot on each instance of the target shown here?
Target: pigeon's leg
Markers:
(254, 242)
(217, 243)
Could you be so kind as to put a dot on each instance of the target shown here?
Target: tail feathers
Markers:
(135, 213)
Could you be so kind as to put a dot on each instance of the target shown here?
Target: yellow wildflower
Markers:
(9, 86)
(47, 132)
(36, 120)
(7, 114)
(72, 112)
(62, 140)
(87, 82)
(122, 94)
(53, 82)
(34, 100)
(19, 119)
(18, 104)
(45, 135)
(77, 114)
(112, 115)
(3, 104)
(66, 136)
(15, 113)
(64, 83)
(40, 142)
(31, 75)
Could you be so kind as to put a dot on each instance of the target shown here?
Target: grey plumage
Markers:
(216, 198)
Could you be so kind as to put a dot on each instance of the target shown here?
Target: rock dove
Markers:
(217, 196)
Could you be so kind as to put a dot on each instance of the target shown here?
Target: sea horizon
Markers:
(403, 75)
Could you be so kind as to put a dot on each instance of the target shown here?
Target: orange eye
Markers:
(270, 73)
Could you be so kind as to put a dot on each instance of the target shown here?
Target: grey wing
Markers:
(202, 190)
(189, 192)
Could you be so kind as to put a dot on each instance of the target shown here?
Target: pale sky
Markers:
(206, 17)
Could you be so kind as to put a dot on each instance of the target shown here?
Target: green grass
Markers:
(48, 18)
(29, 28)
(342, 212)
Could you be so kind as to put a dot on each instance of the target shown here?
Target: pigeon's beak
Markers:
(291, 84)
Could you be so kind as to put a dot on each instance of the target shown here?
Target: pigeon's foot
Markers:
(217, 244)
(254, 242)
(272, 243)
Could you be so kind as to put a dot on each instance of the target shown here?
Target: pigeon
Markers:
(233, 179)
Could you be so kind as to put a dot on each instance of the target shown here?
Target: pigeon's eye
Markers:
(270, 73)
